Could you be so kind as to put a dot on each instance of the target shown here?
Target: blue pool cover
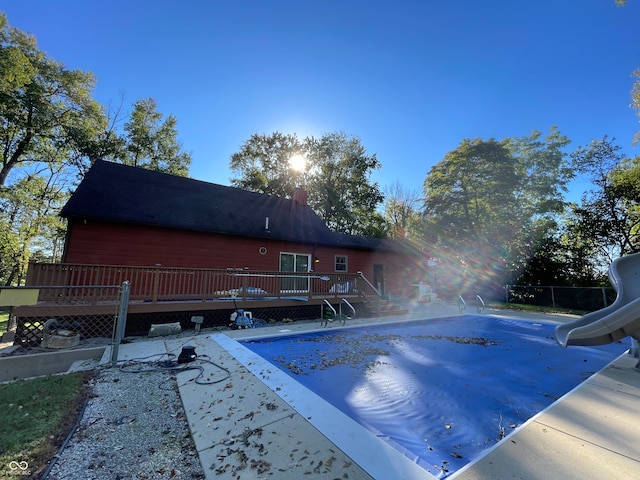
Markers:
(440, 391)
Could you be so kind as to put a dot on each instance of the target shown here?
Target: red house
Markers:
(121, 215)
(190, 248)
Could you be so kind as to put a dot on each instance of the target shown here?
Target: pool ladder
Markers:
(338, 315)
(480, 305)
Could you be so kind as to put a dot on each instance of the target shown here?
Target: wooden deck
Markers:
(134, 307)
(64, 288)
(87, 297)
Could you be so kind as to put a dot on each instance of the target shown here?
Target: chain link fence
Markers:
(586, 299)
(88, 316)
(62, 317)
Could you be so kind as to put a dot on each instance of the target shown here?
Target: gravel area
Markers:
(133, 427)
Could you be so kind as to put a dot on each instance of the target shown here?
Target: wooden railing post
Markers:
(244, 288)
(156, 283)
(205, 282)
(31, 272)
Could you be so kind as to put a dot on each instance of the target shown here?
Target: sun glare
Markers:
(298, 163)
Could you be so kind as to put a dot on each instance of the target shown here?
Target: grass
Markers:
(534, 308)
(4, 320)
(37, 416)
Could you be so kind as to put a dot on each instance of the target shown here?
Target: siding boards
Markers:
(104, 243)
(116, 244)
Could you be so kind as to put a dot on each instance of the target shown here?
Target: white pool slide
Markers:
(619, 320)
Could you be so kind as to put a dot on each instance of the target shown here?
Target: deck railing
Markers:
(158, 283)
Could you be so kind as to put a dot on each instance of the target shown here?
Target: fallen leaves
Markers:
(260, 465)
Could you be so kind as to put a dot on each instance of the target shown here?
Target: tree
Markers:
(635, 100)
(491, 205)
(608, 217)
(578, 252)
(263, 164)
(472, 189)
(544, 264)
(51, 131)
(340, 189)
(544, 171)
(469, 203)
(151, 142)
(28, 215)
(101, 143)
(44, 107)
(401, 210)
(599, 220)
(337, 177)
(46, 112)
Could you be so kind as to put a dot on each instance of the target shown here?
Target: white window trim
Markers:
(346, 263)
(306, 289)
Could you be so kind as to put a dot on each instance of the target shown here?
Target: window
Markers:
(341, 264)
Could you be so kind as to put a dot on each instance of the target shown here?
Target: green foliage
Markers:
(51, 130)
(262, 164)
(578, 252)
(35, 410)
(46, 110)
(152, 142)
(544, 171)
(28, 217)
(635, 100)
(339, 185)
(489, 207)
(523, 307)
(337, 177)
(608, 218)
(401, 211)
(4, 320)
(9, 252)
(471, 190)
(44, 106)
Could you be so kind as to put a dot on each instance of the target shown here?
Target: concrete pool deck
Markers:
(243, 428)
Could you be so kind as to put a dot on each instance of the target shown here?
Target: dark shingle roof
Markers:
(116, 192)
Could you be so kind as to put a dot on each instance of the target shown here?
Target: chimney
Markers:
(300, 196)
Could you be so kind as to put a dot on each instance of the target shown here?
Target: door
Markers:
(295, 262)
(378, 277)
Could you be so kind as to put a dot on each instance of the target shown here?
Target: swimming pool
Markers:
(440, 391)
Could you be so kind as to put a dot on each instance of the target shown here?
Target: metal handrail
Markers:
(331, 307)
(480, 306)
(325, 321)
(461, 303)
(350, 306)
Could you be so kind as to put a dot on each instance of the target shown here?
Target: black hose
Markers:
(154, 367)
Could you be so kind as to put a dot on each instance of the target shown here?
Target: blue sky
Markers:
(412, 79)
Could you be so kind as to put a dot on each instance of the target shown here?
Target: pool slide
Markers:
(619, 320)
